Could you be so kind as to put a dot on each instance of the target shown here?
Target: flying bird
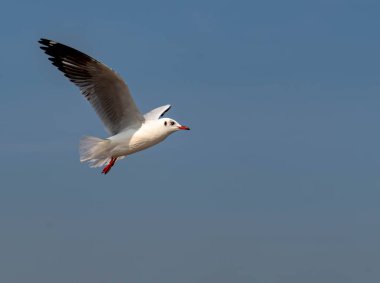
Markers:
(130, 131)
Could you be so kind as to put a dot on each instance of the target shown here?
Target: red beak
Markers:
(183, 128)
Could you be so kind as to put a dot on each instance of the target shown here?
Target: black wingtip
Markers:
(163, 113)
(59, 50)
(46, 43)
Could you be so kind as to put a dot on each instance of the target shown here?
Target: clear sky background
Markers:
(278, 180)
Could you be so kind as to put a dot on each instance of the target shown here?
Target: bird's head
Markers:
(171, 125)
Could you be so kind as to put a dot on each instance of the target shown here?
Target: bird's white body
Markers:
(98, 151)
(134, 140)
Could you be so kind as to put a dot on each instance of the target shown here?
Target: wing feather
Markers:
(101, 86)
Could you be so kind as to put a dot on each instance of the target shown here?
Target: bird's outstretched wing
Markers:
(104, 89)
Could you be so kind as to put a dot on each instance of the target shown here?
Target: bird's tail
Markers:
(94, 150)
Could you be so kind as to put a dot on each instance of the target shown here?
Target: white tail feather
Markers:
(94, 150)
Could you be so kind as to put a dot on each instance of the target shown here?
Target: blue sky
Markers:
(278, 180)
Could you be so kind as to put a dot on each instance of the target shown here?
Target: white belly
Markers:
(129, 142)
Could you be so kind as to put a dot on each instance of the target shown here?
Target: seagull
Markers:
(129, 130)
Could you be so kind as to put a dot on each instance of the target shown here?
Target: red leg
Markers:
(109, 165)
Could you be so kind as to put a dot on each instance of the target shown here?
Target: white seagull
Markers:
(110, 97)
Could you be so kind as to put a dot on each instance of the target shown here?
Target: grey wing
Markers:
(103, 88)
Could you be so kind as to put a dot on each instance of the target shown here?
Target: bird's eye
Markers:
(172, 123)
(165, 123)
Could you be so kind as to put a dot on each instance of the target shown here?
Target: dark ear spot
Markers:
(165, 123)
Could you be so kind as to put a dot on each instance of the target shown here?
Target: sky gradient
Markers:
(277, 181)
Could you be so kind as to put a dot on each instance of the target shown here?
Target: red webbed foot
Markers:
(109, 165)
